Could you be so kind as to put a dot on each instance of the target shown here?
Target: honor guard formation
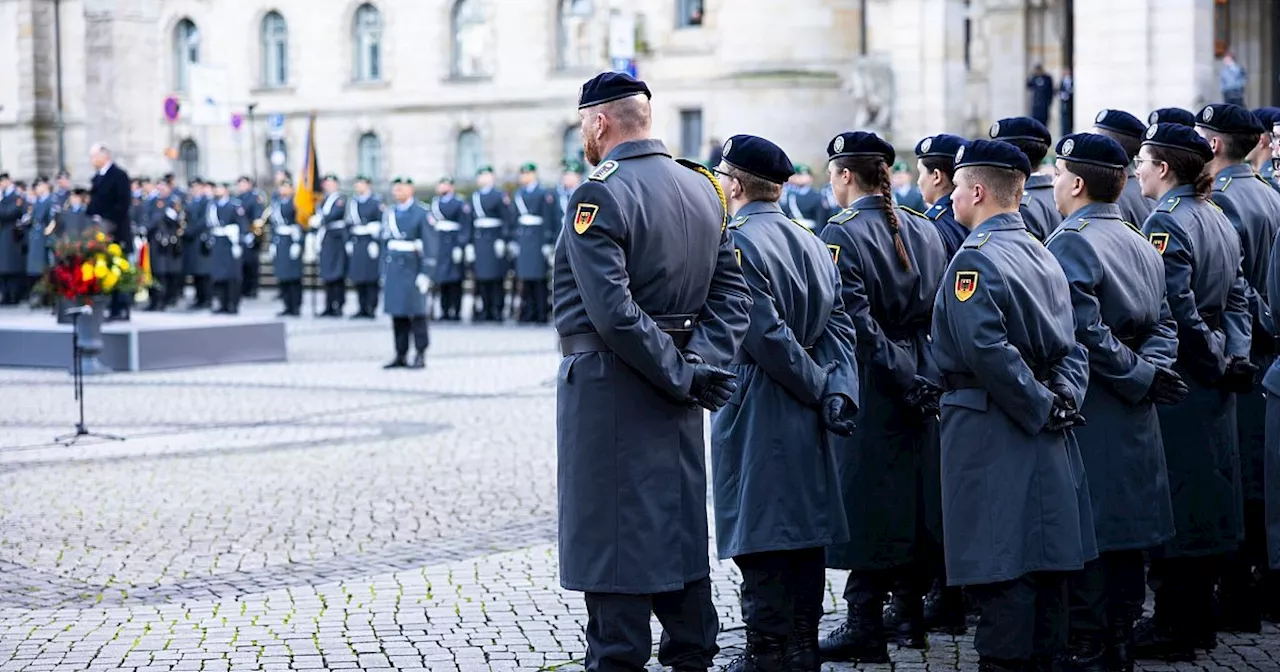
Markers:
(1009, 399)
(1013, 411)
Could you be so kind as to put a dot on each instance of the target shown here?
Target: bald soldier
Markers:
(649, 303)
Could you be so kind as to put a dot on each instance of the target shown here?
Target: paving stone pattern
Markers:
(320, 514)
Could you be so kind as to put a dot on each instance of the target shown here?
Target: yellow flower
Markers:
(86, 271)
(101, 236)
(100, 271)
(122, 263)
(109, 282)
(114, 249)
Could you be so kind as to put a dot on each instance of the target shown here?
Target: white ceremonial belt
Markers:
(219, 232)
(530, 220)
(488, 223)
(365, 229)
(287, 230)
(404, 245)
(448, 225)
(334, 226)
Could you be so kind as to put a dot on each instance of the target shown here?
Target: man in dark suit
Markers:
(109, 202)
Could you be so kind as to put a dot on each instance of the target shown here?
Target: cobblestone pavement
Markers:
(318, 514)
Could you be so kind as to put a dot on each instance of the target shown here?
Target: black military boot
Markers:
(1085, 653)
(419, 361)
(859, 639)
(1119, 655)
(397, 363)
(1151, 642)
(904, 621)
(995, 665)
(764, 653)
(802, 647)
(944, 610)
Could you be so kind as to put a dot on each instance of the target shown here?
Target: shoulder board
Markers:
(802, 226)
(1222, 183)
(705, 172)
(976, 241)
(935, 212)
(1026, 197)
(1169, 206)
(738, 221)
(912, 211)
(843, 216)
(1131, 226)
(604, 170)
(1077, 225)
(1215, 205)
(1261, 179)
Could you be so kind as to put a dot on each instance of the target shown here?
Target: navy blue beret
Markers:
(330, 176)
(1269, 116)
(572, 166)
(1093, 149)
(1177, 136)
(1230, 119)
(1021, 128)
(758, 157)
(484, 169)
(1172, 115)
(860, 143)
(402, 180)
(609, 86)
(1122, 122)
(994, 153)
(942, 145)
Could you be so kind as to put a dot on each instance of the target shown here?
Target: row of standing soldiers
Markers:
(1064, 402)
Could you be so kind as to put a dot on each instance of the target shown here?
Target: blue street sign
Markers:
(627, 65)
(275, 122)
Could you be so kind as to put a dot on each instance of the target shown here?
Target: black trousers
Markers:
(252, 272)
(1022, 619)
(1109, 591)
(291, 296)
(173, 286)
(451, 301)
(533, 301)
(120, 304)
(227, 293)
(29, 285)
(11, 288)
(781, 589)
(1183, 589)
(403, 326)
(866, 590)
(367, 298)
(1246, 572)
(491, 300)
(335, 297)
(618, 637)
(204, 293)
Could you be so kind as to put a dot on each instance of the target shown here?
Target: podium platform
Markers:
(149, 342)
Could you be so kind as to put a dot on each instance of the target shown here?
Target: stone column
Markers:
(125, 78)
(999, 49)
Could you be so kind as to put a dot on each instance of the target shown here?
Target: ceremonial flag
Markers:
(304, 196)
(144, 261)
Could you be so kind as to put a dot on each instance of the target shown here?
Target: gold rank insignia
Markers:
(835, 253)
(584, 217)
(966, 285)
(738, 253)
(1160, 241)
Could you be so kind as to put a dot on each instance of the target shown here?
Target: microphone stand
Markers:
(77, 377)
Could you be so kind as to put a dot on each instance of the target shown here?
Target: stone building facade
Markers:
(426, 88)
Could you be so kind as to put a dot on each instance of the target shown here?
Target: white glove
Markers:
(171, 213)
(271, 251)
(514, 248)
(372, 249)
(248, 239)
(236, 251)
(499, 248)
(351, 247)
(549, 252)
(315, 221)
(423, 283)
(295, 251)
(471, 253)
(456, 255)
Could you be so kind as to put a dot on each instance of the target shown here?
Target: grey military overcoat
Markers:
(411, 251)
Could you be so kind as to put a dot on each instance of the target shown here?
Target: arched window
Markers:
(470, 155)
(186, 52)
(689, 13)
(472, 39)
(369, 157)
(577, 35)
(189, 159)
(275, 50)
(368, 43)
(573, 144)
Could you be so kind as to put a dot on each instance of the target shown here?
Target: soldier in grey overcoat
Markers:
(166, 215)
(1039, 213)
(890, 263)
(1253, 208)
(1015, 498)
(197, 245)
(364, 246)
(225, 219)
(777, 495)
(330, 223)
(451, 218)
(39, 240)
(287, 239)
(532, 243)
(486, 250)
(13, 267)
(1122, 317)
(1127, 130)
(406, 281)
(254, 207)
(1208, 295)
(649, 302)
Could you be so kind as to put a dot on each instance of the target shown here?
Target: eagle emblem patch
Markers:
(1160, 241)
(584, 217)
(966, 285)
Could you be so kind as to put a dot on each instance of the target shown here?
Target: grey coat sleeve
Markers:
(724, 318)
(1205, 347)
(430, 242)
(837, 346)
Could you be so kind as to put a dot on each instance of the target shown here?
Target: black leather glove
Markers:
(923, 396)
(1238, 377)
(837, 416)
(1064, 414)
(712, 387)
(1167, 388)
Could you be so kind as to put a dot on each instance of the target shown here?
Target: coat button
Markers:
(688, 323)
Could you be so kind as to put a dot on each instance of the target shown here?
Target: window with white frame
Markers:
(368, 43)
